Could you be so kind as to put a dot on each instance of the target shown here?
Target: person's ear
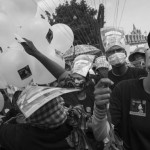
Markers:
(148, 39)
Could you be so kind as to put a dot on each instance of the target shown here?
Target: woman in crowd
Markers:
(79, 78)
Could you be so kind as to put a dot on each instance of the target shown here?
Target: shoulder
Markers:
(126, 85)
(137, 70)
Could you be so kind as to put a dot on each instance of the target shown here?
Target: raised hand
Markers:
(29, 47)
(102, 91)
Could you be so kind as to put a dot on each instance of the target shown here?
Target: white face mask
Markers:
(117, 58)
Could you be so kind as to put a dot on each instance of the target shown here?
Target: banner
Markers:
(34, 97)
(112, 36)
(83, 65)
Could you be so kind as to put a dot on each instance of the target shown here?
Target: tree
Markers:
(82, 20)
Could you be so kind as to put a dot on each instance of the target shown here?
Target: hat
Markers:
(101, 62)
(82, 64)
(139, 50)
(41, 107)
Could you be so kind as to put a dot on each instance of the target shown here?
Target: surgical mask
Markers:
(117, 58)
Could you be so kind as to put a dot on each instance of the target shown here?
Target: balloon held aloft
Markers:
(14, 65)
(63, 37)
(40, 74)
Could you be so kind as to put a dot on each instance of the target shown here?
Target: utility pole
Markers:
(101, 22)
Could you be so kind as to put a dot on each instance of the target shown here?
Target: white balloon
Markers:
(15, 66)
(40, 74)
(1, 102)
(63, 37)
(36, 31)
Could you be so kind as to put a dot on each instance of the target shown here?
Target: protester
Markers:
(80, 79)
(129, 109)
(83, 98)
(137, 58)
(46, 128)
(116, 56)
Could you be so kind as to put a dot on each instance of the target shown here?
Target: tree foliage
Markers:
(82, 20)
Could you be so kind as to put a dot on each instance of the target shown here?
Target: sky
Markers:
(132, 11)
(135, 11)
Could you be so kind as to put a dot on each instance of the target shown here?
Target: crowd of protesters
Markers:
(111, 105)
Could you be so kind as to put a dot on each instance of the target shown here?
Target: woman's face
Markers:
(78, 79)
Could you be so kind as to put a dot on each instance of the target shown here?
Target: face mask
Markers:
(117, 58)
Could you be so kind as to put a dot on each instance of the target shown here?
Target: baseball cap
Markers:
(101, 62)
(139, 50)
